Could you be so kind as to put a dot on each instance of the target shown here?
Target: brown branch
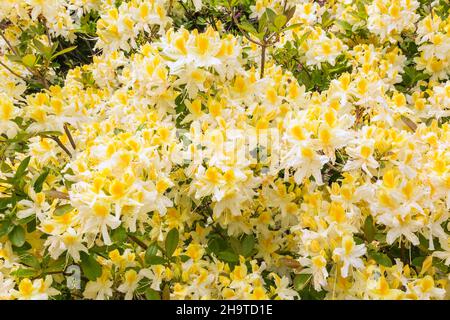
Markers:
(56, 139)
(57, 194)
(169, 10)
(137, 241)
(250, 39)
(263, 60)
(43, 20)
(41, 78)
(69, 135)
(409, 123)
(9, 44)
(13, 72)
(245, 34)
(291, 263)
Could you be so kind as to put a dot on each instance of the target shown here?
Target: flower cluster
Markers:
(205, 160)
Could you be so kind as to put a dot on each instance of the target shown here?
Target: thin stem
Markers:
(263, 60)
(359, 115)
(244, 32)
(332, 166)
(270, 38)
(291, 263)
(47, 31)
(69, 135)
(13, 72)
(138, 242)
(48, 273)
(402, 251)
(169, 10)
(57, 194)
(303, 68)
(9, 44)
(250, 39)
(89, 46)
(188, 13)
(56, 139)
(43, 80)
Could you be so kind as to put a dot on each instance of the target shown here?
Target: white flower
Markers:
(131, 279)
(349, 254)
(306, 162)
(37, 205)
(282, 288)
(316, 266)
(99, 289)
(6, 286)
(361, 157)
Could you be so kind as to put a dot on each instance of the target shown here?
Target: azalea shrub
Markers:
(224, 149)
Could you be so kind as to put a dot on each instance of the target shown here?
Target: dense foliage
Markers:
(224, 149)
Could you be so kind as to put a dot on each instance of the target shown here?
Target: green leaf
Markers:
(290, 12)
(440, 265)
(14, 58)
(381, 258)
(228, 256)
(418, 261)
(62, 210)
(29, 60)
(17, 236)
(27, 219)
(119, 235)
(361, 9)
(339, 69)
(345, 25)
(40, 180)
(301, 280)
(5, 227)
(271, 15)
(309, 293)
(151, 294)
(215, 245)
(326, 19)
(369, 229)
(152, 250)
(43, 49)
(171, 242)
(153, 260)
(90, 267)
(22, 168)
(166, 292)
(248, 243)
(49, 133)
(55, 265)
(31, 225)
(29, 260)
(235, 245)
(24, 273)
(20, 250)
(280, 21)
(262, 23)
(183, 258)
(247, 26)
(303, 38)
(380, 237)
(63, 51)
(293, 26)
